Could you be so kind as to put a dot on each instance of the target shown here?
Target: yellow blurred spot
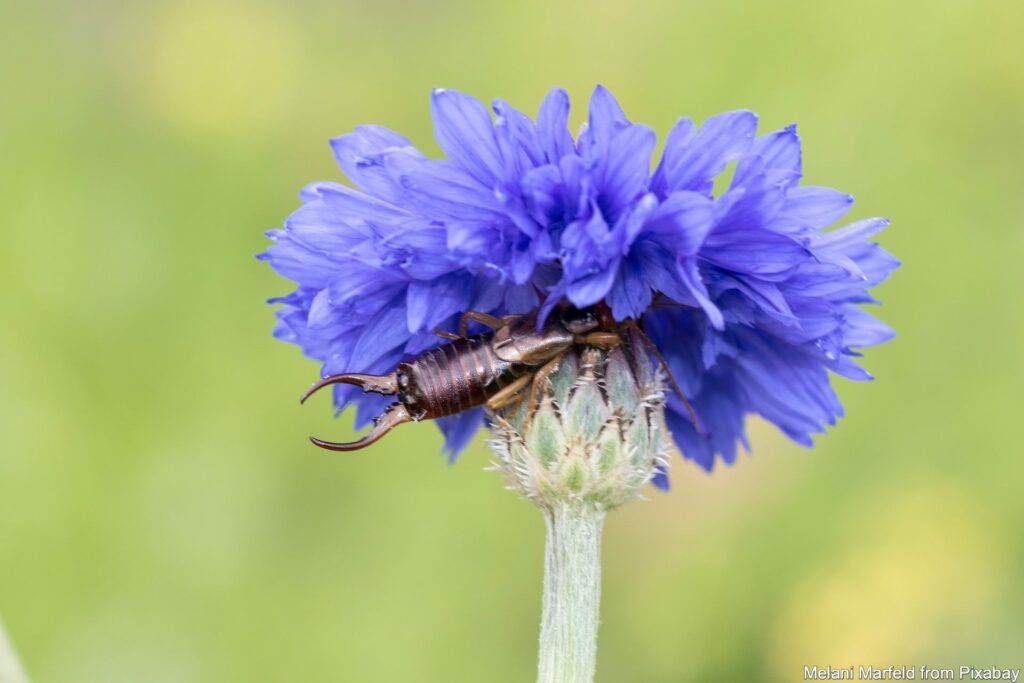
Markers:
(217, 67)
(915, 562)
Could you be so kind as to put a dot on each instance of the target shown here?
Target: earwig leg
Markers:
(665, 302)
(664, 366)
(604, 340)
(482, 318)
(378, 384)
(539, 379)
(445, 334)
(508, 394)
(394, 415)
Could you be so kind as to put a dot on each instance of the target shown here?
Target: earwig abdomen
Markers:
(454, 377)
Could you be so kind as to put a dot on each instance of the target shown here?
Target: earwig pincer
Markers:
(492, 369)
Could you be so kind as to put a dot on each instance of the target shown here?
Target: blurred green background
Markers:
(162, 517)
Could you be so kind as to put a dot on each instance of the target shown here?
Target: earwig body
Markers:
(455, 377)
(466, 373)
(489, 369)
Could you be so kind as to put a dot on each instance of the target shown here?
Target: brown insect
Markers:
(491, 369)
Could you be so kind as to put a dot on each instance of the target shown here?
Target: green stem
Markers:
(10, 667)
(572, 594)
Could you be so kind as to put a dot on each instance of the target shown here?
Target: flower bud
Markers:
(594, 437)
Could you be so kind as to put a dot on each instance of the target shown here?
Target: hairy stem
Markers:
(572, 593)
(10, 667)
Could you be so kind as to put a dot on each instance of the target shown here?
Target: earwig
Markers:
(490, 369)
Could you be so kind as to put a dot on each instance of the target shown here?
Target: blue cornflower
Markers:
(749, 298)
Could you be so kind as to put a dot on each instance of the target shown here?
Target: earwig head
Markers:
(580, 320)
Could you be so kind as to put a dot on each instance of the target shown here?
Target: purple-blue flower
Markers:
(748, 293)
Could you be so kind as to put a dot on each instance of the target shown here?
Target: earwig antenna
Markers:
(671, 378)
(664, 302)
(378, 384)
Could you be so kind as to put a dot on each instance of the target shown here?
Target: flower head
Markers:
(748, 294)
(594, 439)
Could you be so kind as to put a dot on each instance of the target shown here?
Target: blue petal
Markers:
(659, 267)
(419, 249)
(322, 315)
(552, 125)
(429, 303)
(721, 407)
(689, 275)
(421, 341)
(720, 139)
(629, 295)
(756, 252)
(553, 296)
(320, 226)
(384, 334)
(520, 299)
(586, 244)
(621, 172)
(633, 222)
(521, 262)
(463, 129)
(676, 333)
(577, 187)
(849, 242)
(459, 429)
(517, 137)
(438, 188)
(852, 235)
(749, 208)
(860, 328)
(489, 294)
(478, 245)
(298, 262)
(543, 193)
(605, 117)
(358, 155)
(358, 206)
(765, 295)
(787, 387)
(363, 291)
(876, 263)
(311, 191)
(691, 444)
(681, 222)
(676, 142)
(588, 290)
(779, 153)
(846, 367)
(815, 320)
(815, 207)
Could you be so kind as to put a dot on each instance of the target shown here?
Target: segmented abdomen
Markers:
(455, 377)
